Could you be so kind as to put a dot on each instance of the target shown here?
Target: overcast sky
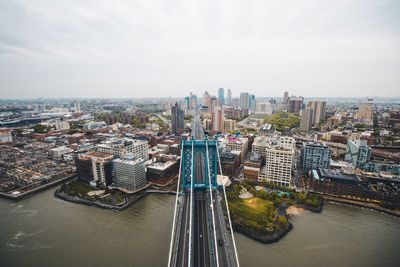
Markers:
(56, 48)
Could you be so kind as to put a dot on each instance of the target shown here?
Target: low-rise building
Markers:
(229, 125)
(233, 143)
(62, 125)
(5, 136)
(252, 166)
(59, 152)
(230, 162)
(165, 167)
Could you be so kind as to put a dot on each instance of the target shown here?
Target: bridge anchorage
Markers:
(200, 235)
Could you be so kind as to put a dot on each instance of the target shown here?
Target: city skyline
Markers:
(125, 49)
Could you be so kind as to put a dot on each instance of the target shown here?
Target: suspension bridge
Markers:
(201, 233)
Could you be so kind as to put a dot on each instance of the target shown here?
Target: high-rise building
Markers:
(366, 111)
(295, 104)
(244, 100)
(314, 156)
(279, 162)
(95, 167)
(235, 102)
(177, 119)
(129, 172)
(306, 119)
(206, 99)
(319, 110)
(218, 119)
(221, 97)
(229, 98)
(358, 153)
(187, 102)
(285, 97)
(252, 102)
(213, 104)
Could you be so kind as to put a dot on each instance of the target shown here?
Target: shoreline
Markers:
(130, 199)
(36, 189)
(262, 238)
(335, 200)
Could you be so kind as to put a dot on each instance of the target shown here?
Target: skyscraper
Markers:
(221, 97)
(306, 119)
(187, 102)
(295, 104)
(252, 102)
(177, 119)
(318, 108)
(285, 97)
(213, 104)
(206, 99)
(218, 119)
(244, 100)
(229, 98)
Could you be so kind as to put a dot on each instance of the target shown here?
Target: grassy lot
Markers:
(79, 187)
(254, 212)
(282, 120)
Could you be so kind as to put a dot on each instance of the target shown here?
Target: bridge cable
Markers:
(175, 210)
(191, 208)
(212, 205)
(227, 208)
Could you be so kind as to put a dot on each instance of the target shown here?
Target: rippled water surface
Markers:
(44, 231)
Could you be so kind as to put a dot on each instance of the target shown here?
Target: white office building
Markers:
(129, 172)
(279, 162)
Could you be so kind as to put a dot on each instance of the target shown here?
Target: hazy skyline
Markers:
(169, 48)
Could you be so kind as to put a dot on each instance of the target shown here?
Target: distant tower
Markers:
(213, 104)
(306, 119)
(206, 99)
(229, 98)
(177, 119)
(285, 97)
(244, 100)
(221, 96)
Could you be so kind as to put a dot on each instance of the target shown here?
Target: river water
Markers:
(44, 231)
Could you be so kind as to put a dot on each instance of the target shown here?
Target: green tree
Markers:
(277, 203)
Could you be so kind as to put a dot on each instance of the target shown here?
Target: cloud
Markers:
(144, 48)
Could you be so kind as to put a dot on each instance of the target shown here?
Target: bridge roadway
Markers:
(203, 241)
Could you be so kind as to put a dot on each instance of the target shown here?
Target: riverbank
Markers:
(262, 238)
(130, 198)
(40, 188)
(369, 206)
